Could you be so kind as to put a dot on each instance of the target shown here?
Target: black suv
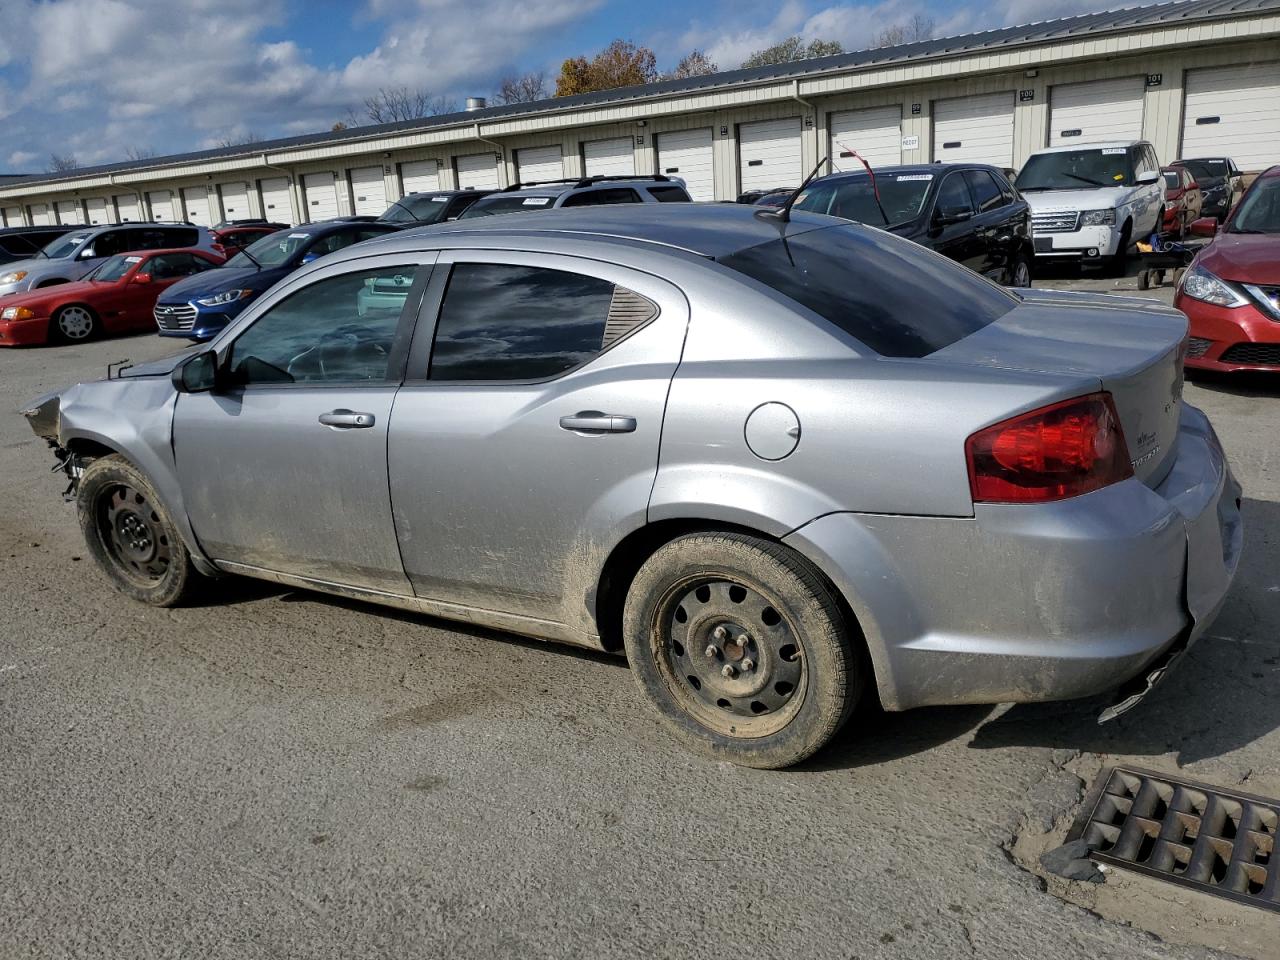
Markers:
(437, 206)
(966, 211)
(19, 243)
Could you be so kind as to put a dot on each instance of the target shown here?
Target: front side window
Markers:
(170, 266)
(896, 297)
(1077, 170)
(985, 192)
(953, 197)
(337, 330)
(510, 322)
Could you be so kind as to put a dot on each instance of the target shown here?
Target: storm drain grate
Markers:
(1216, 841)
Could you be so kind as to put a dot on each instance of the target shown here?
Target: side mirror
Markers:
(1148, 176)
(1204, 227)
(142, 278)
(87, 254)
(198, 374)
(309, 258)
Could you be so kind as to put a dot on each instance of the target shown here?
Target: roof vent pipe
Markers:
(475, 103)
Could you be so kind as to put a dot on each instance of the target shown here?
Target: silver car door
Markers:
(284, 466)
(524, 443)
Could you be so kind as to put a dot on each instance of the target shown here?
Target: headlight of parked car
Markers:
(1098, 218)
(1199, 284)
(16, 313)
(13, 276)
(227, 296)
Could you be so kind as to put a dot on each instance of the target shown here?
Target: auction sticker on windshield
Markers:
(536, 201)
(914, 176)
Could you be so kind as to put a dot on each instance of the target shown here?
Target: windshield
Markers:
(64, 246)
(114, 268)
(418, 208)
(1077, 170)
(1206, 169)
(1260, 209)
(901, 195)
(1172, 181)
(516, 203)
(271, 251)
(898, 298)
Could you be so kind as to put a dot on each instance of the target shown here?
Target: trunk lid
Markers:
(1132, 348)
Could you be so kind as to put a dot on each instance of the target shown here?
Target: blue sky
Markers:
(99, 78)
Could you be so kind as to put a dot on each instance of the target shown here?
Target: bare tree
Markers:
(525, 88)
(917, 28)
(140, 153)
(694, 64)
(247, 138)
(393, 104)
(62, 162)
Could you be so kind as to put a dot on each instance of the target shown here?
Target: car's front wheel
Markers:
(74, 323)
(130, 534)
(741, 646)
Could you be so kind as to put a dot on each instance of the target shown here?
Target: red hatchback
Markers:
(1231, 291)
(229, 241)
(117, 297)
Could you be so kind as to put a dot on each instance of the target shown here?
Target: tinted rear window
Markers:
(898, 298)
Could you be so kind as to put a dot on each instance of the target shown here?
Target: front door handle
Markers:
(348, 419)
(593, 421)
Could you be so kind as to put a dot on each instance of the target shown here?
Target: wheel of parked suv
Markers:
(1020, 272)
(1120, 259)
(74, 323)
(130, 534)
(740, 644)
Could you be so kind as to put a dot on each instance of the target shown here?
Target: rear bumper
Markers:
(1225, 328)
(1047, 602)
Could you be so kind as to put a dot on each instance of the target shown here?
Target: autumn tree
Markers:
(917, 28)
(793, 48)
(62, 163)
(621, 64)
(525, 88)
(394, 104)
(695, 64)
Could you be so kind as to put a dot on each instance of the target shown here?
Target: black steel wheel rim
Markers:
(731, 656)
(133, 534)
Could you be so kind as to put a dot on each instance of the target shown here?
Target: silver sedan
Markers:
(785, 465)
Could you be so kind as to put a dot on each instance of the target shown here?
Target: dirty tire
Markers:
(1119, 261)
(783, 604)
(130, 534)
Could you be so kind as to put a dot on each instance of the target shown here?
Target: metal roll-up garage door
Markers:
(687, 154)
(1096, 111)
(875, 134)
(69, 212)
(535, 164)
(161, 202)
(12, 216)
(420, 176)
(235, 201)
(127, 208)
(40, 215)
(98, 212)
(1233, 112)
(609, 158)
(974, 129)
(368, 191)
(275, 200)
(479, 170)
(769, 154)
(195, 205)
(320, 196)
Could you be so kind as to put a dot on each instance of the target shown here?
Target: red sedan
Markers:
(231, 240)
(116, 298)
(1231, 291)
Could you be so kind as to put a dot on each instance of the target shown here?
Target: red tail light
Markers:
(1058, 451)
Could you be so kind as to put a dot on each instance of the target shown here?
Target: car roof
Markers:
(706, 229)
(1100, 145)
(333, 226)
(152, 253)
(907, 169)
(51, 228)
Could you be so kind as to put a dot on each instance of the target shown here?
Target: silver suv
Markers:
(72, 255)
(579, 192)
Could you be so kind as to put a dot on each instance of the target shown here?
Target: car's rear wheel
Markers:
(741, 646)
(1020, 271)
(74, 323)
(130, 534)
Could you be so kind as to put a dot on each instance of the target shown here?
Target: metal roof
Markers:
(1173, 12)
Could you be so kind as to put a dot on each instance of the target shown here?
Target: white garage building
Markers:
(1195, 77)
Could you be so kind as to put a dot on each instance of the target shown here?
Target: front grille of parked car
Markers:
(1217, 841)
(1064, 221)
(1259, 354)
(181, 317)
(1198, 347)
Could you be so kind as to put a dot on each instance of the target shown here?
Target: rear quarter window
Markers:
(898, 298)
(670, 194)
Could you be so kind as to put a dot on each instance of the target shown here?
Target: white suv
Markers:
(579, 192)
(1093, 201)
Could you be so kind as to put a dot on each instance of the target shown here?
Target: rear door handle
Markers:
(348, 419)
(593, 421)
